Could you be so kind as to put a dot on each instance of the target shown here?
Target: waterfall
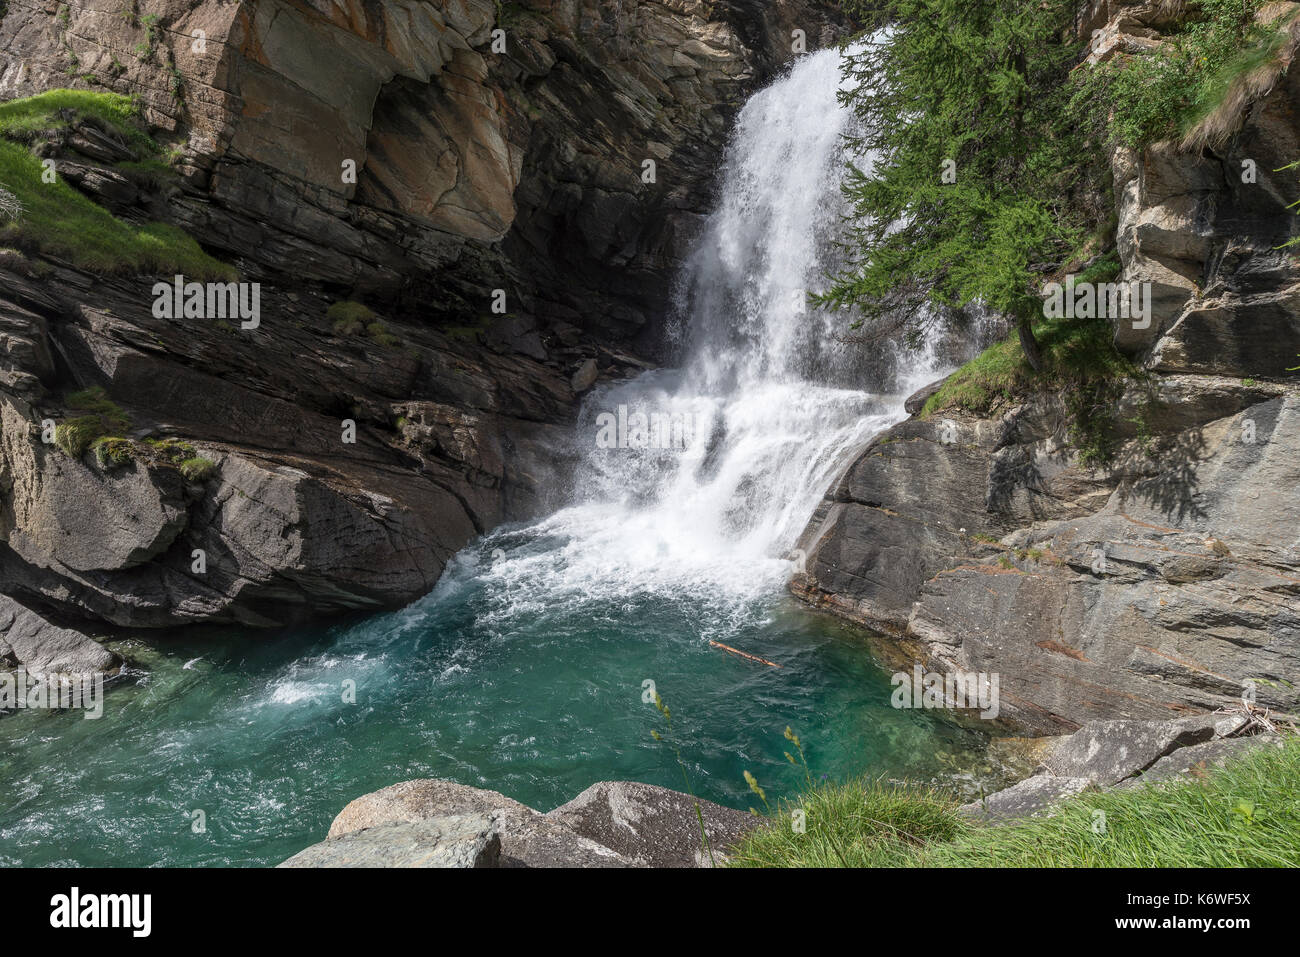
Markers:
(696, 482)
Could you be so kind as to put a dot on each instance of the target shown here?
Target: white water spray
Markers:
(776, 403)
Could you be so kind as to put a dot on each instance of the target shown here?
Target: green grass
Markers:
(58, 109)
(60, 221)
(1076, 353)
(856, 824)
(99, 417)
(1246, 814)
(113, 452)
(198, 469)
(1080, 363)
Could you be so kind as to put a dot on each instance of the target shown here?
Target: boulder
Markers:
(1029, 798)
(1107, 752)
(528, 837)
(456, 840)
(611, 824)
(653, 826)
(30, 639)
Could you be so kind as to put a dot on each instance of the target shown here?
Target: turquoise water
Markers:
(539, 704)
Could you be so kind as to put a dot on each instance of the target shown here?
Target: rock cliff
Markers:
(1168, 581)
(419, 163)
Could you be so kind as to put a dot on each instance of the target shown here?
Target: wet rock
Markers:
(585, 377)
(917, 400)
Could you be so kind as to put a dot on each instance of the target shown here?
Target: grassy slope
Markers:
(62, 222)
(1246, 814)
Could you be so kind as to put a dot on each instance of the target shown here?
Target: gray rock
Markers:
(915, 402)
(653, 826)
(1029, 798)
(528, 837)
(585, 377)
(30, 639)
(476, 171)
(1107, 752)
(462, 840)
(1185, 762)
(1195, 527)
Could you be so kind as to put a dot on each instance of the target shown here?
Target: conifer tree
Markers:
(964, 105)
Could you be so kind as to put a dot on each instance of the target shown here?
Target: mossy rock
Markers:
(111, 453)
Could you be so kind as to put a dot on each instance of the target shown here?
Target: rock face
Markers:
(1122, 754)
(409, 158)
(1166, 583)
(411, 150)
(1163, 585)
(429, 823)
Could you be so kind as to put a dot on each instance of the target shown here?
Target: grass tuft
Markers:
(99, 417)
(198, 469)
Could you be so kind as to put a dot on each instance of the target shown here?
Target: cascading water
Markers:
(772, 400)
(525, 670)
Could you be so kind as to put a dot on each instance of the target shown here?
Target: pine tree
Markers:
(964, 105)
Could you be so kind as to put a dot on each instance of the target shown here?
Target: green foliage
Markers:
(1183, 82)
(1080, 363)
(113, 452)
(99, 417)
(1076, 354)
(60, 221)
(378, 332)
(977, 88)
(198, 469)
(1245, 814)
